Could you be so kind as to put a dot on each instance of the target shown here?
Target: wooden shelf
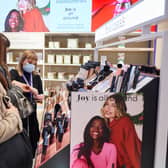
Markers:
(55, 80)
(69, 49)
(50, 64)
(128, 49)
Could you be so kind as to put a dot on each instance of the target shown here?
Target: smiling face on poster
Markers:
(91, 104)
(123, 115)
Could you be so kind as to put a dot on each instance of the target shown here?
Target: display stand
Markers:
(162, 124)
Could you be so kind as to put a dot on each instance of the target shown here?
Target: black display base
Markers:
(60, 160)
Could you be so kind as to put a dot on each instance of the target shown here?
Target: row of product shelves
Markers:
(60, 55)
(52, 58)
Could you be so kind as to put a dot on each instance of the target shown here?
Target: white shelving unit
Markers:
(60, 48)
(80, 45)
(45, 45)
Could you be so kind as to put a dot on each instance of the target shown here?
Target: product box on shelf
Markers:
(88, 45)
(71, 76)
(86, 58)
(51, 44)
(51, 75)
(59, 59)
(67, 59)
(56, 44)
(72, 43)
(51, 58)
(75, 59)
(60, 75)
(9, 57)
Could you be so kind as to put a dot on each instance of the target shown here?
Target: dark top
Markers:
(30, 123)
(37, 83)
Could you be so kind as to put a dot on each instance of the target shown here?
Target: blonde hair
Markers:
(27, 54)
(121, 108)
(31, 4)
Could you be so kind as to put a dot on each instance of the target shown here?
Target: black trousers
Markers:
(16, 153)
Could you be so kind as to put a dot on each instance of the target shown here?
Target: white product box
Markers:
(51, 44)
(86, 58)
(75, 59)
(59, 59)
(40, 57)
(67, 59)
(56, 44)
(51, 75)
(72, 43)
(61, 75)
(71, 76)
(51, 58)
(103, 60)
(9, 57)
(88, 45)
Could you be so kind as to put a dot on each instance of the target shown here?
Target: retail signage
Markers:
(138, 106)
(90, 104)
(144, 12)
(45, 16)
(105, 10)
(73, 15)
(83, 123)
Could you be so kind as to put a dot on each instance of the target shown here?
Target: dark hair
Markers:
(86, 147)
(7, 26)
(4, 44)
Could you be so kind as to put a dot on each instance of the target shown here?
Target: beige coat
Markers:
(10, 122)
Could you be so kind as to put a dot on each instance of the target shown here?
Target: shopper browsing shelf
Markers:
(25, 77)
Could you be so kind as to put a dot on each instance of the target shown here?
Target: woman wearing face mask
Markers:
(25, 77)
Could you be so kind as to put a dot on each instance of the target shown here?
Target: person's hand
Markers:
(33, 90)
(23, 86)
(39, 97)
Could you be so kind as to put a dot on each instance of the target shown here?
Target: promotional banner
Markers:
(59, 15)
(45, 16)
(123, 115)
(105, 10)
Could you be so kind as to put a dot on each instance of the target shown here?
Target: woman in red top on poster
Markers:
(33, 20)
(123, 133)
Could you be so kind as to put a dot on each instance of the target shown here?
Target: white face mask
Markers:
(29, 68)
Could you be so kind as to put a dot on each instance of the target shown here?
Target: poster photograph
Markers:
(59, 15)
(45, 16)
(106, 129)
